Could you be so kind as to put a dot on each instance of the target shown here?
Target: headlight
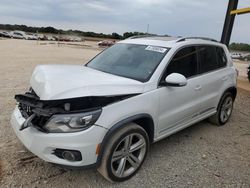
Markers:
(64, 123)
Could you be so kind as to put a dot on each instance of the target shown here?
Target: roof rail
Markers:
(141, 36)
(203, 38)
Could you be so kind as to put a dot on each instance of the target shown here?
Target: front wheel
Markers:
(224, 110)
(125, 153)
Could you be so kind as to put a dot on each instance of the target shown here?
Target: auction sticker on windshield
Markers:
(156, 49)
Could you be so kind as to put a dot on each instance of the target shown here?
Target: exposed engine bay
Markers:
(37, 112)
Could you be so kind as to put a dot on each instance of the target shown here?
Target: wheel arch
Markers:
(215, 119)
(143, 120)
(232, 90)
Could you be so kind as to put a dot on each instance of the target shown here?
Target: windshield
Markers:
(129, 60)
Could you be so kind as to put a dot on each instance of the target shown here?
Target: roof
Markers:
(168, 42)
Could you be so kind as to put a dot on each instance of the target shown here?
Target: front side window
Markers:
(129, 60)
(184, 62)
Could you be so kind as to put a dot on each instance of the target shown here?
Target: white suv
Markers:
(106, 114)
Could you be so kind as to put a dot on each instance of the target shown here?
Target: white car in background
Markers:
(50, 38)
(105, 114)
(18, 35)
(236, 55)
(5, 34)
(31, 36)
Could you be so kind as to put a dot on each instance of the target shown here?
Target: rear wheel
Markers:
(224, 110)
(125, 153)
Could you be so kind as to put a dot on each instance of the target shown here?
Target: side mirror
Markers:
(175, 80)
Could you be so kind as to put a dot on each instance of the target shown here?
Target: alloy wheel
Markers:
(226, 109)
(128, 155)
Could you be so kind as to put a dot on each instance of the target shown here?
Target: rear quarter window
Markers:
(221, 57)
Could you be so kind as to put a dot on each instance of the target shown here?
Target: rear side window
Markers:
(184, 62)
(211, 58)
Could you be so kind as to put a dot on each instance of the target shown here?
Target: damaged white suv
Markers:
(105, 114)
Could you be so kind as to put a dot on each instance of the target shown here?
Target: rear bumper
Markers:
(44, 144)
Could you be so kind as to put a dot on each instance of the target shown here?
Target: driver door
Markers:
(179, 105)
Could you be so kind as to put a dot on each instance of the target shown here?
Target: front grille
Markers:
(27, 110)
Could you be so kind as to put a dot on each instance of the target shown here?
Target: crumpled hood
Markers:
(51, 82)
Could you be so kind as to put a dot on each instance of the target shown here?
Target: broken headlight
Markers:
(66, 123)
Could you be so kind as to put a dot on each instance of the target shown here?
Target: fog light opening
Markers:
(68, 155)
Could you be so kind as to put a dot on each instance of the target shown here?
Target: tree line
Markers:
(240, 47)
(52, 30)
(79, 33)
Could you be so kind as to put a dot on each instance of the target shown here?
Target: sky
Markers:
(173, 17)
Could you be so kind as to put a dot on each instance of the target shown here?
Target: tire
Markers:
(224, 110)
(127, 161)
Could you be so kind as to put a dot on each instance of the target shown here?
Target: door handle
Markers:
(197, 88)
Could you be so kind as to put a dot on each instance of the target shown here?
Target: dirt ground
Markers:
(243, 82)
(200, 156)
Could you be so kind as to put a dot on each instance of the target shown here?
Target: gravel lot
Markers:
(200, 156)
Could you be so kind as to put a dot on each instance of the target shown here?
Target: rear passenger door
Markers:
(212, 63)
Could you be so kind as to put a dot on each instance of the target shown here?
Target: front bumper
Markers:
(44, 144)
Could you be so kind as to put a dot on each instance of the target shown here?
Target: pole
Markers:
(147, 28)
(229, 22)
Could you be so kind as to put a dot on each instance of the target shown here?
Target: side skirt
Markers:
(180, 127)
